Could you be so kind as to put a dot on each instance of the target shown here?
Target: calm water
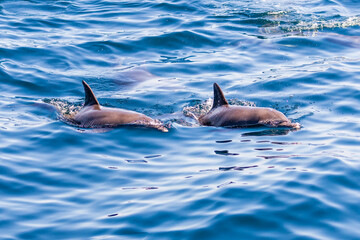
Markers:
(161, 58)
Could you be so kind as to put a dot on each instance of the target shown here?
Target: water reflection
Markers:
(278, 156)
(225, 184)
(263, 149)
(269, 132)
(136, 161)
(225, 153)
(223, 141)
(239, 168)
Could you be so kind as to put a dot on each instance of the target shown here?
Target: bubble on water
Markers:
(66, 109)
(199, 109)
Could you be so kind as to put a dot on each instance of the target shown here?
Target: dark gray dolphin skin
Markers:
(93, 115)
(224, 115)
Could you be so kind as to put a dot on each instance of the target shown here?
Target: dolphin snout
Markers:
(290, 124)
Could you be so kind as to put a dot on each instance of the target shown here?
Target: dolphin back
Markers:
(90, 98)
(219, 98)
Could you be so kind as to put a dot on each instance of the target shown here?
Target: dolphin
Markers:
(224, 115)
(93, 115)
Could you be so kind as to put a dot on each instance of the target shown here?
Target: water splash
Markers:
(195, 111)
(65, 108)
(308, 28)
(288, 17)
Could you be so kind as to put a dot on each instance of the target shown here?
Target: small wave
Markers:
(318, 25)
(289, 17)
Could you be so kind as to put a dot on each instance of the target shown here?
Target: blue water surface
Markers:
(160, 58)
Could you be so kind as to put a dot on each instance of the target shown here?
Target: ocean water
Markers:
(160, 58)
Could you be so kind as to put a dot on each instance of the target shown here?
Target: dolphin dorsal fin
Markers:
(219, 98)
(90, 98)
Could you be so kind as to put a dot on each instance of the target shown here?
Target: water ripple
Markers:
(161, 59)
